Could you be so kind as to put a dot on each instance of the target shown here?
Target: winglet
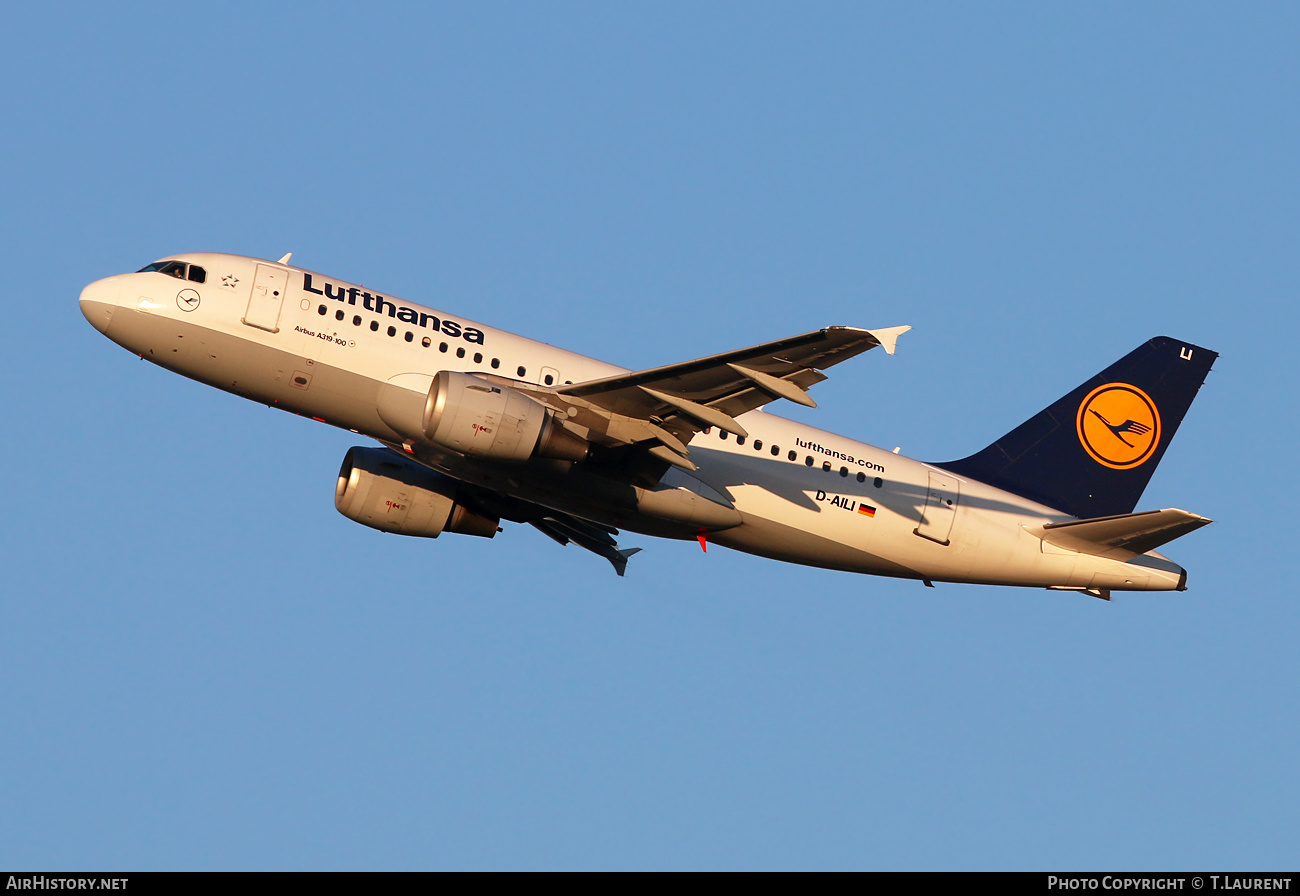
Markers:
(588, 536)
(888, 337)
(619, 559)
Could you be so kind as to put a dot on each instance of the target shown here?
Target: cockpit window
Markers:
(197, 274)
(174, 268)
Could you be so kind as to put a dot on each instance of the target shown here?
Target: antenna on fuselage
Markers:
(286, 258)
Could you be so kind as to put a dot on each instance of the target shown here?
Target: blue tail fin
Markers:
(1092, 452)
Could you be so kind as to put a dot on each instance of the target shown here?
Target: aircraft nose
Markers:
(98, 301)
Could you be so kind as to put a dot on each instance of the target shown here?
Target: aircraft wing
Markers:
(563, 528)
(681, 399)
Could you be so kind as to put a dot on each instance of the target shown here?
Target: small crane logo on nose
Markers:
(187, 300)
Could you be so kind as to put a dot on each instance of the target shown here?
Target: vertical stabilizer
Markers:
(1092, 453)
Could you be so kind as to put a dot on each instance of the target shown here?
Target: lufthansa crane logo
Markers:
(1119, 426)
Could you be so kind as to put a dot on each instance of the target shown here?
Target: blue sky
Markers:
(205, 666)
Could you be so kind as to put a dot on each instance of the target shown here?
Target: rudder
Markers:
(1092, 452)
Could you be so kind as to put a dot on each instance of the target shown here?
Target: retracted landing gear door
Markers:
(268, 295)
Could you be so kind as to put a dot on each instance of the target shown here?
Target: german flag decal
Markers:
(866, 510)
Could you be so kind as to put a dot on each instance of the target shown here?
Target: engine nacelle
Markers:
(384, 491)
(475, 417)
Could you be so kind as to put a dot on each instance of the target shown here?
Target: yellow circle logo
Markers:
(1119, 426)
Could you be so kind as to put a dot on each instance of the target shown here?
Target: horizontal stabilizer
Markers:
(1128, 533)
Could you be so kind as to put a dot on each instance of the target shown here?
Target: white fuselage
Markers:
(320, 347)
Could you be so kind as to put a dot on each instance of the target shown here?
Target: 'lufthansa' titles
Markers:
(377, 304)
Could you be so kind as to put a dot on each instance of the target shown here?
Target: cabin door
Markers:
(268, 296)
(940, 508)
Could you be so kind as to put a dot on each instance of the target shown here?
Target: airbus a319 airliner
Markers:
(479, 425)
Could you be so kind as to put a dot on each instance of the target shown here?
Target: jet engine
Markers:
(481, 419)
(382, 490)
